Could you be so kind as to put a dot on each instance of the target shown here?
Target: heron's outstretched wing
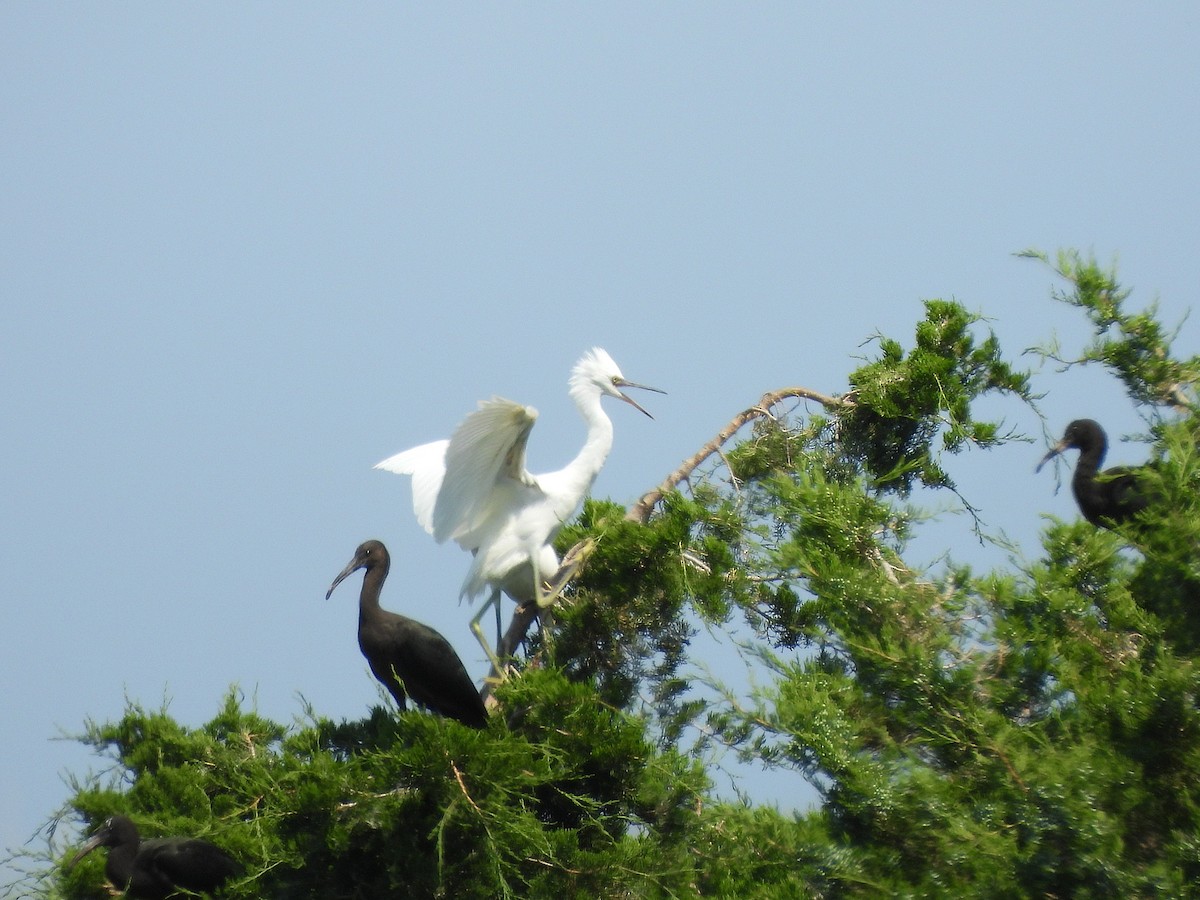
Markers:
(486, 451)
(427, 466)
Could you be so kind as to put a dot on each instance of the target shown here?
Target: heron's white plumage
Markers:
(486, 455)
(426, 464)
(475, 489)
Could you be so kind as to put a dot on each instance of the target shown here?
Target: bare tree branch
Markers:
(640, 511)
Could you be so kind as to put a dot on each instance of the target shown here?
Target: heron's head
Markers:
(597, 371)
(369, 555)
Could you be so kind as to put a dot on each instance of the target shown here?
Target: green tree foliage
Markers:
(1026, 732)
(568, 801)
(1135, 347)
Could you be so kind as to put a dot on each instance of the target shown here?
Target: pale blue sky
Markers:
(248, 250)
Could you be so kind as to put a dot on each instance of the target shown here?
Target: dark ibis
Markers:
(405, 655)
(160, 867)
(1106, 498)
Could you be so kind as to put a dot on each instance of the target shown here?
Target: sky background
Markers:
(249, 250)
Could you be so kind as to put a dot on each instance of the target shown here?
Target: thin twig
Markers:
(458, 776)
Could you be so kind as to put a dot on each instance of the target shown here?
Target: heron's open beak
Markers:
(1053, 452)
(621, 382)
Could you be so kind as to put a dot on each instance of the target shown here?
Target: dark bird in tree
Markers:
(160, 867)
(406, 655)
(1105, 498)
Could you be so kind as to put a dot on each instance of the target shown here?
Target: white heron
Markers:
(474, 488)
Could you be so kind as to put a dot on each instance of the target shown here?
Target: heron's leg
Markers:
(550, 590)
(546, 594)
(496, 606)
(477, 629)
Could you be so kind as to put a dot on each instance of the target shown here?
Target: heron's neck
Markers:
(580, 472)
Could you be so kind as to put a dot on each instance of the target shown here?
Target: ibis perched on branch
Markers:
(406, 656)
